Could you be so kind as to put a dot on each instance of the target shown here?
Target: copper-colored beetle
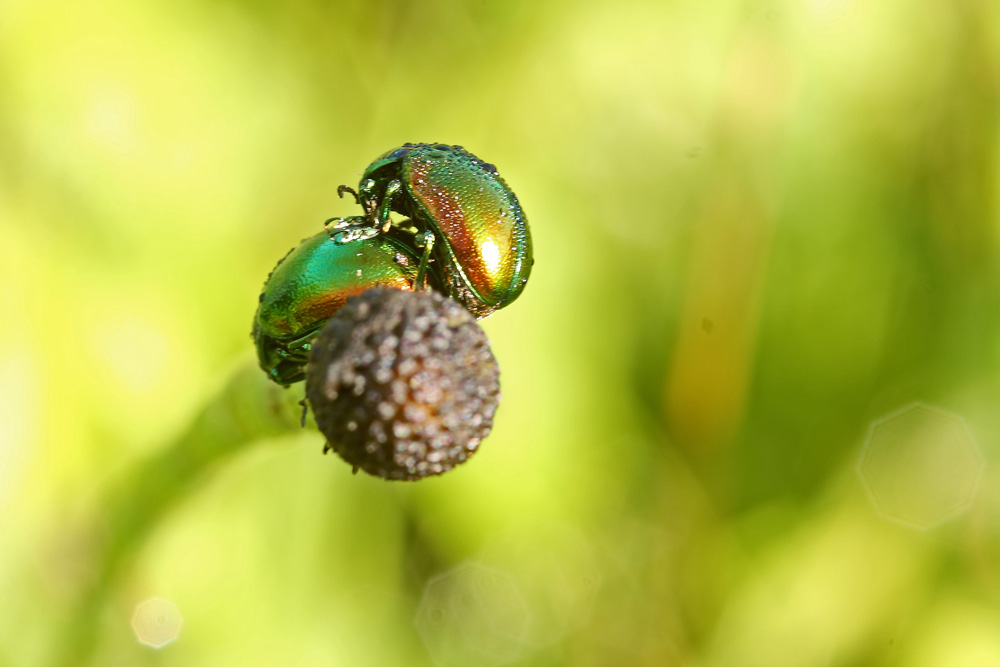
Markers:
(469, 222)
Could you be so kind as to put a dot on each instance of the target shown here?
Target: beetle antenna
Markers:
(341, 189)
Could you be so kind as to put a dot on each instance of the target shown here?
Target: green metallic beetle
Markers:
(469, 222)
(312, 282)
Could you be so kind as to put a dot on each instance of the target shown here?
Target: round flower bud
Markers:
(403, 384)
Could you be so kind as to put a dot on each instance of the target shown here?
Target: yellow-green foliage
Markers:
(761, 231)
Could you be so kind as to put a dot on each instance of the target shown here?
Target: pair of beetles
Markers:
(464, 236)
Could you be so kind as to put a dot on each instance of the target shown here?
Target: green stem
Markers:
(248, 409)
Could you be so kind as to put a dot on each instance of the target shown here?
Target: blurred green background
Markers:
(761, 230)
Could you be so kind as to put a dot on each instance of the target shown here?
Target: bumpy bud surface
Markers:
(403, 384)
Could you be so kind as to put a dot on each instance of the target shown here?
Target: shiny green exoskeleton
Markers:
(471, 224)
(312, 282)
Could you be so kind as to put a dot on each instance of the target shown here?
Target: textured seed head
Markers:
(403, 384)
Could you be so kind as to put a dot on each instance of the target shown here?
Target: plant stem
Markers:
(247, 409)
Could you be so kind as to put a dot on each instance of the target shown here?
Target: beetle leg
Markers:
(428, 239)
(376, 220)
(354, 228)
(297, 351)
(351, 234)
(298, 348)
(305, 411)
(380, 219)
(367, 196)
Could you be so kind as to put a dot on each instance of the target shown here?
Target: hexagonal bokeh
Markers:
(156, 622)
(920, 465)
(473, 615)
(558, 573)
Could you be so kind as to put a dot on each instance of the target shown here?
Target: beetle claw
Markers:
(352, 233)
(339, 223)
